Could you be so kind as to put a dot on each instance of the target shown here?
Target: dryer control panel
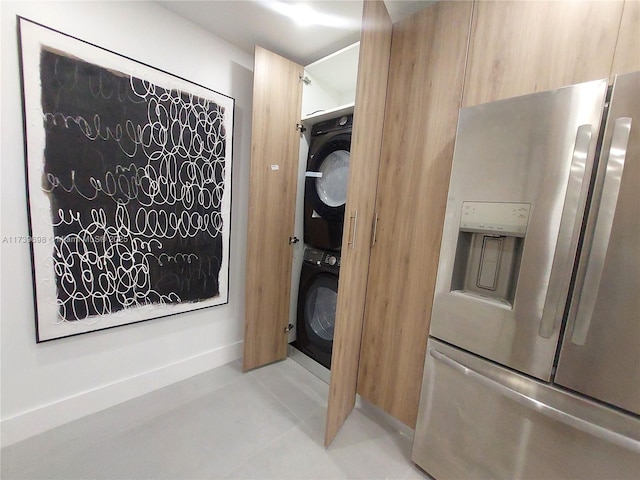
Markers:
(339, 123)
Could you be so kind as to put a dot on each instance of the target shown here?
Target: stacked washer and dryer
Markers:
(325, 196)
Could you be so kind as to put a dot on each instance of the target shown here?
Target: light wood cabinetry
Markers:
(423, 96)
(375, 44)
(525, 47)
(627, 55)
(277, 98)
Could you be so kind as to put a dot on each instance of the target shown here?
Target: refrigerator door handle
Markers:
(533, 404)
(575, 199)
(602, 232)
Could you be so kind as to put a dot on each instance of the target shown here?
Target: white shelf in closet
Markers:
(338, 70)
(332, 82)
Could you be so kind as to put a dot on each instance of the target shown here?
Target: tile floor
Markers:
(222, 424)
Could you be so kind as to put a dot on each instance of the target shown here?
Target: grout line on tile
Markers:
(265, 388)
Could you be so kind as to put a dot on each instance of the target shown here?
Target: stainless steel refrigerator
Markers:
(533, 359)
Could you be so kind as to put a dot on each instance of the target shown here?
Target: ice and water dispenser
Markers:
(489, 250)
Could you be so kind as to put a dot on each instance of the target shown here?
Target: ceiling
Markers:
(320, 27)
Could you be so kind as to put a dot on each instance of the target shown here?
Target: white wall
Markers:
(45, 385)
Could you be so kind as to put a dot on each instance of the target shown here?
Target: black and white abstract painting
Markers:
(129, 187)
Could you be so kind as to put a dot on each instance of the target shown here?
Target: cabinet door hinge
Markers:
(288, 328)
(301, 127)
(304, 79)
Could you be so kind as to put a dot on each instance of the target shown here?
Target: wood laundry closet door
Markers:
(275, 143)
(373, 68)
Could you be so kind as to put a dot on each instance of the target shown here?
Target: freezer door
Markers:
(480, 421)
(518, 187)
(600, 355)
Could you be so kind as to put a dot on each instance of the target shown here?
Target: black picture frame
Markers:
(128, 172)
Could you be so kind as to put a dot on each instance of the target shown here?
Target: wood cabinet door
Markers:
(275, 143)
(373, 67)
(424, 94)
(518, 47)
(627, 55)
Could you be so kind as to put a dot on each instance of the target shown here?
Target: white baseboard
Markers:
(38, 420)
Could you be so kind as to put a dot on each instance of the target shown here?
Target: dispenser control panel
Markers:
(495, 217)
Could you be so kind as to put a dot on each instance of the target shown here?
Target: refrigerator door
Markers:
(600, 355)
(480, 421)
(518, 187)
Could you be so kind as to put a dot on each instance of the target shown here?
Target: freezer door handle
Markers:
(568, 235)
(602, 232)
(533, 404)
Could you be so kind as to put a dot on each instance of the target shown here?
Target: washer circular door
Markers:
(320, 303)
(327, 192)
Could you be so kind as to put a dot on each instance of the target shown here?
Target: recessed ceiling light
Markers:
(304, 15)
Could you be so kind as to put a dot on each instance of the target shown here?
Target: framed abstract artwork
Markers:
(129, 186)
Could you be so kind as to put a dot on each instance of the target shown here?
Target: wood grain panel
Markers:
(627, 55)
(526, 47)
(424, 93)
(375, 44)
(277, 98)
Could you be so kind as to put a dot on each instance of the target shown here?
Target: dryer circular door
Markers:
(327, 192)
(319, 310)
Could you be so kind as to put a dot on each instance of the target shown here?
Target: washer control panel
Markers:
(322, 258)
